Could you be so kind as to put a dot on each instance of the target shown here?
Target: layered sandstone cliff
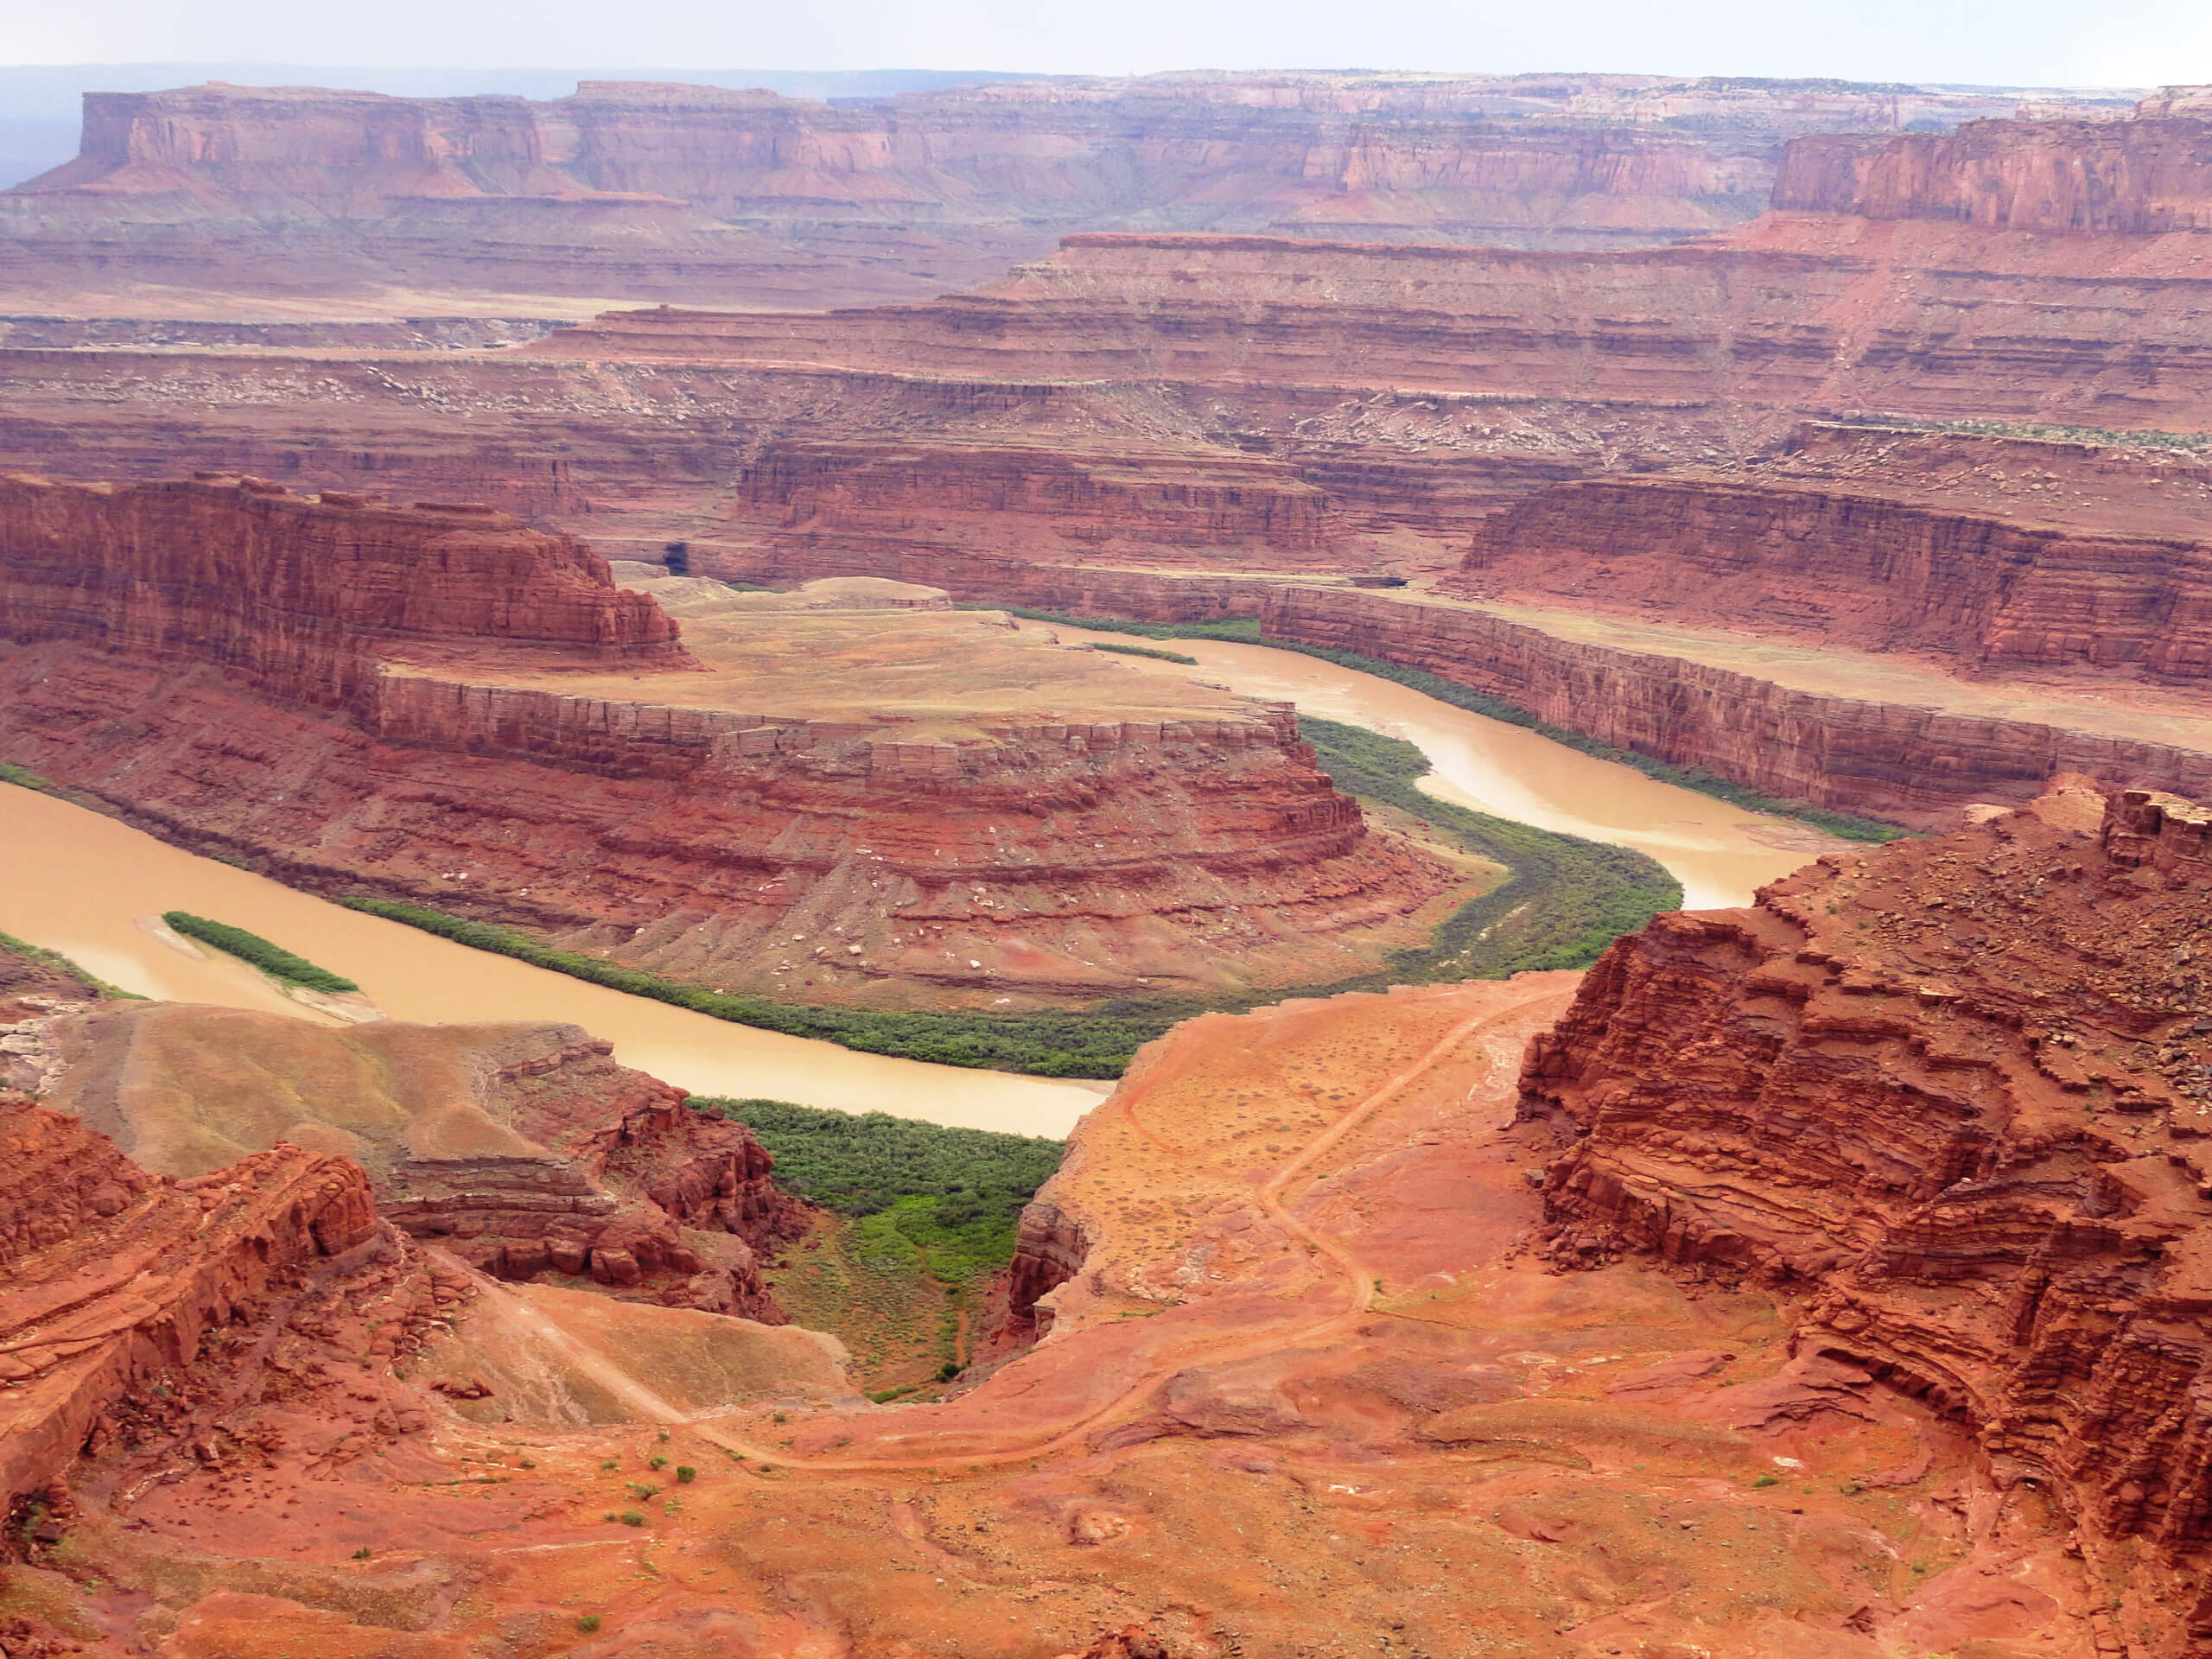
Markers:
(2138, 177)
(1813, 314)
(1957, 1095)
(302, 597)
(888, 504)
(926, 804)
(649, 191)
(112, 1275)
(1855, 567)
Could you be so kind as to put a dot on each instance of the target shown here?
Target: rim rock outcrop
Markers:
(1957, 1096)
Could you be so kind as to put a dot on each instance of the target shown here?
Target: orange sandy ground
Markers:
(1306, 1398)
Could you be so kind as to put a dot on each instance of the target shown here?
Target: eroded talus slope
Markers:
(1956, 1094)
(525, 1149)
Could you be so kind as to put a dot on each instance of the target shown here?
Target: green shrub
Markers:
(22, 778)
(632, 1518)
(955, 1194)
(685, 1474)
(272, 959)
(587, 1623)
(1768, 1480)
(1049, 1045)
(1145, 651)
(59, 964)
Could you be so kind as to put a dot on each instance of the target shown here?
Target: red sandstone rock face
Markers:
(1223, 827)
(2055, 177)
(1961, 1091)
(525, 1149)
(1811, 314)
(1038, 859)
(298, 597)
(110, 1275)
(1859, 569)
(1908, 764)
(655, 191)
(902, 505)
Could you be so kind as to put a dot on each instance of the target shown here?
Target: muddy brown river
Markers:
(1720, 853)
(84, 884)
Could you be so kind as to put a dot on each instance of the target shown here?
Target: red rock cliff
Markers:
(525, 1149)
(1958, 1092)
(2136, 177)
(959, 499)
(1855, 569)
(658, 191)
(301, 596)
(112, 1275)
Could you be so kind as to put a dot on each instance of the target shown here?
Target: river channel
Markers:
(85, 885)
(1720, 853)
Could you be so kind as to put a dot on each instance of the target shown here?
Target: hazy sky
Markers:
(2019, 42)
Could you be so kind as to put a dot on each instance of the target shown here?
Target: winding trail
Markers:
(1130, 1401)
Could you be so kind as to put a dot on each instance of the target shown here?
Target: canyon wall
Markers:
(299, 596)
(112, 1275)
(1050, 500)
(1957, 1093)
(1857, 570)
(2138, 177)
(1895, 760)
(219, 661)
(1039, 862)
(1914, 764)
(649, 191)
(1810, 314)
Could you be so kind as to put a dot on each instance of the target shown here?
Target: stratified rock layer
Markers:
(525, 1148)
(1959, 1091)
(302, 597)
(1856, 568)
(110, 1275)
(440, 705)
(2138, 177)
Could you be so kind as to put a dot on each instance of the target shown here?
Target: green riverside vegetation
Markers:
(1245, 630)
(1076, 1044)
(921, 1217)
(10, 945)
(272, 959)
(957, 1192)
(1563, 902)
(23, 777)
(2188, 444)
(1145, 650)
